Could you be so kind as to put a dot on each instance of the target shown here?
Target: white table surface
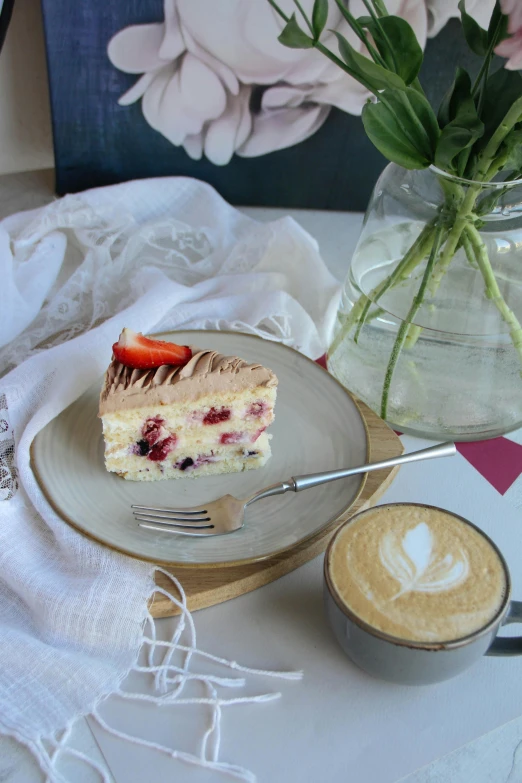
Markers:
(493, 758)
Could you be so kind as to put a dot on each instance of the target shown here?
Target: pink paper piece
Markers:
(498, 460)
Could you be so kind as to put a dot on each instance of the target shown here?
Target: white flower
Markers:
(201, 67)
(181, 92)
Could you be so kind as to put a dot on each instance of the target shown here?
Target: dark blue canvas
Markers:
(98, 142)
(6, 10)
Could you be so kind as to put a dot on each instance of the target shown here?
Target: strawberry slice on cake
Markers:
(142, 353)
(175, 411)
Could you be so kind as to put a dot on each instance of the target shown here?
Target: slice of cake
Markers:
(171, 411)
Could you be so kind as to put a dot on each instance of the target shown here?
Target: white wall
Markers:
(25, 124)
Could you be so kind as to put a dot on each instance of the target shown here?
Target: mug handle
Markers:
(509, 645)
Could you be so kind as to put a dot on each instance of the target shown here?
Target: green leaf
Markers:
(427, 130)
(461, 125)
(487, 203)
(459, 91)
(512, 146)
(385, 132)
(319, 17)
(453, 140)
(498, 26)
(408, 50)
(476, 37)
(403, 127)
(359, 31)
(293, 37)
(459, 135)
(502, 89)
(397, 44)
(370, 74)
(380, 8)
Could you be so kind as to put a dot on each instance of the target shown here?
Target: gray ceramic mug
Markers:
(417, 663)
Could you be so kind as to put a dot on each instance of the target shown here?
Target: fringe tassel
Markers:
(169, 682)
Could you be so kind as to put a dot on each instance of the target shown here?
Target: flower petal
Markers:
(345, 93)
(137, 90)
(284, 96)
(151, 104)
(242, 34)
(178, 117)
(221, 137)
(173, 44)
(513, 9)
(226, 75)
(165, 117)
(203, 94)
(245, 120)
(282, 128)
(194, 146)
(135, 49)
(512, 49)
(181, 98)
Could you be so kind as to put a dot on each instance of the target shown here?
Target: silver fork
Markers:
(227, 514)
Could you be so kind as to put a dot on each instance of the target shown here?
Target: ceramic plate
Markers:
(317, 427)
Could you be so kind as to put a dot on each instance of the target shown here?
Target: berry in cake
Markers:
(171, 411)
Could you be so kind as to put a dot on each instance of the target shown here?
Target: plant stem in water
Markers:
(401, 334)
(492, 289)
(468, 249)
(403, 270)
(462, 218)
(360, 311)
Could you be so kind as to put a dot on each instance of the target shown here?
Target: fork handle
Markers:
(298, 483)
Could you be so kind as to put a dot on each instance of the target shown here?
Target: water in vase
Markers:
(460, 375)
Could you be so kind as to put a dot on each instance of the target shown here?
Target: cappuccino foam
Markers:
(417, 573)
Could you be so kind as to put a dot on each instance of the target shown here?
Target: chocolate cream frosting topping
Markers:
(207, 372)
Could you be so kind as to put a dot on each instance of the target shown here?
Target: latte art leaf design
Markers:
(411, 560)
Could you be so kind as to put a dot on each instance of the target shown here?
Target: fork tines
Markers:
(184, 511)
(172, 518)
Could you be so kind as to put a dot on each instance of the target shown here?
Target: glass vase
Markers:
(428, 329)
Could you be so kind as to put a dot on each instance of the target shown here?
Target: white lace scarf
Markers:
(152, 255)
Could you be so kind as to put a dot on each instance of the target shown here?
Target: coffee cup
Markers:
(416, 594)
